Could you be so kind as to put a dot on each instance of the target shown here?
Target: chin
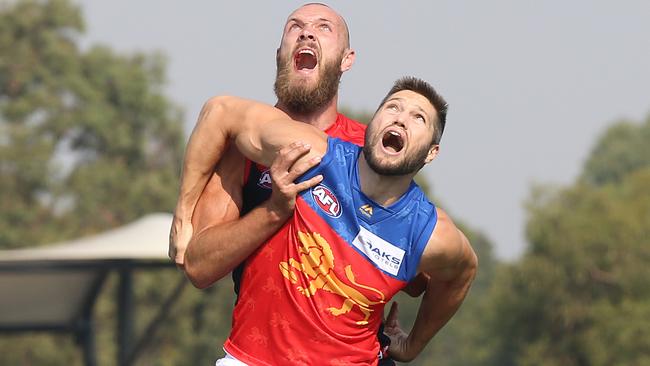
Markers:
(301, 77)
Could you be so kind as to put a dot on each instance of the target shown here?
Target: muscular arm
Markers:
(448, 267)
(217, 213)
(221, 240)
(257, 130)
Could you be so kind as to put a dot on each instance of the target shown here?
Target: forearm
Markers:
(434, 312)
(204, 149)
(217, 250)
(439, 303)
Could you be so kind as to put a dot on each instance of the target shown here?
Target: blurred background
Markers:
(545, 160)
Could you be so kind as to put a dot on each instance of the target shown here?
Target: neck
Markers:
(383, 189)
(322, 118)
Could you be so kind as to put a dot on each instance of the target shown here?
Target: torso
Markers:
(319, 285)
(257, 180)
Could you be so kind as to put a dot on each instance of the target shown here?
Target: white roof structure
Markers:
(54, 287)
(145, 238)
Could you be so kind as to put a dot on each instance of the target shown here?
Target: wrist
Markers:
(277, 213)
(415, 346)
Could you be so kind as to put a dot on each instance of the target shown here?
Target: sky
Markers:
(531, 84)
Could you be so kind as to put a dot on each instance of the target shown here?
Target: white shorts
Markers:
(229, 360)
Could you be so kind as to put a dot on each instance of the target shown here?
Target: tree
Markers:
(622, 149)
(579, 296)
(88, 141)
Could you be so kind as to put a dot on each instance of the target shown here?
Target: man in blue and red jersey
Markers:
(314, 293)
(235, 214)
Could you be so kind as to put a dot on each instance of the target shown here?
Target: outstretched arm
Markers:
(448, 266)
(258, 131)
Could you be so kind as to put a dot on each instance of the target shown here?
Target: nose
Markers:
(399, 120)
(305, 35)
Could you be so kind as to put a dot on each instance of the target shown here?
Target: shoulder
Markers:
(248, 108)
(351, 123)
(340, 150)
(348, 129)
(448, 251)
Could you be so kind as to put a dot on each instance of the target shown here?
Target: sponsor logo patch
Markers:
(265, 180)
(326, 200)
(385, 255)
(366, 210)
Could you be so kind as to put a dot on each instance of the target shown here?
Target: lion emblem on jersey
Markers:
(316, 262)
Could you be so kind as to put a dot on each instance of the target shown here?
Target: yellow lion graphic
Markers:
(317, 263)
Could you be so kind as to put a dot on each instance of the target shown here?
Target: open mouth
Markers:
(393, 141)
(305, 59)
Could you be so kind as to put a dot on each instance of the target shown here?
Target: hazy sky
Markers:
(531, 84)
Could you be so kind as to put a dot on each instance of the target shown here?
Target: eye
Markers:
(293, 26)
(420, 118)
(325, 27)
(392, 107)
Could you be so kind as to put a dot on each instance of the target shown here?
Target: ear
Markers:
(433, 152)
(348, 60)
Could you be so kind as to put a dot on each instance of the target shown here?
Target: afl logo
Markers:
(326, 200)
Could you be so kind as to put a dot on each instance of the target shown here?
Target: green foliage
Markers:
(88, 139)
(622, 149)
(45, 350)
(579, 296)
(193, 332)
(450, 346)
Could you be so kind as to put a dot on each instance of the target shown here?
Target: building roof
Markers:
(50, 287)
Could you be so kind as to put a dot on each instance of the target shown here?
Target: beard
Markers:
(408, 165)
(297, 96)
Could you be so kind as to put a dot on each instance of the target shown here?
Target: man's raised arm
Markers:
(257, 130)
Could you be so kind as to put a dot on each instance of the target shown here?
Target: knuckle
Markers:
(300, 169)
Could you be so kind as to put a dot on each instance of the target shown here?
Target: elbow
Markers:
(219, 103)
(201, 285)
(195, 277)
(202, 277)
(198, 277)
(473, 266)
(471, 259)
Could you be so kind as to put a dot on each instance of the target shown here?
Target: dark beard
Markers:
(410, 164)
(297, 98)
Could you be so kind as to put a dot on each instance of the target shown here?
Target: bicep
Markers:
(448, 255)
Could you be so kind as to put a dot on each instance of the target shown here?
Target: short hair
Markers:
(426, 90)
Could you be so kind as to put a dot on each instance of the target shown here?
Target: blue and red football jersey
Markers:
(315, 292)
(257, 180)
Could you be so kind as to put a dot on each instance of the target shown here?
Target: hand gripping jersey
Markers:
(314, 293)
(257, 180)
